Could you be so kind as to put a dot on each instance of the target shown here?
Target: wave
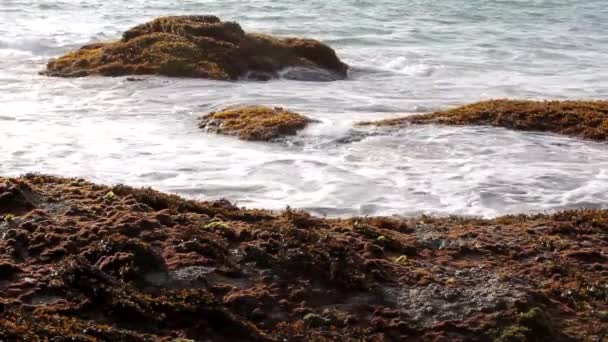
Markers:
(37, 47)
(400, 65)
(295, 74)
(403, 66)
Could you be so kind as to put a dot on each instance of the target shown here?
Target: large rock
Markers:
(203, 47)
(254, 122)
(583, 119)
(139, 265)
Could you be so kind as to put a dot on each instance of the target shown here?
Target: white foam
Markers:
(406, 67)
(403, 60)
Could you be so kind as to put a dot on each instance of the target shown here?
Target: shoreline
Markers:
(501, 140)
(92, 261)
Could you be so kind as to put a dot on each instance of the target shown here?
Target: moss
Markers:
(513, 333)
(314, 320)
(584, 119)
(532, 325)
(216, 225)
(39, 326)
(401, 259)
(195, 46)
(109, 196)
(254, 122)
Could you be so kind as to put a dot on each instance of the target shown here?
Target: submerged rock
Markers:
(254, 122)
(584, 119)
(202, 47)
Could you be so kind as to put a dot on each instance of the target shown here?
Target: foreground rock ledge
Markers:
(583, 119)
(203, 47)
(254, 122)
(84, 262)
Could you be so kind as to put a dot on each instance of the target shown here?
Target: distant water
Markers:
(406, 56)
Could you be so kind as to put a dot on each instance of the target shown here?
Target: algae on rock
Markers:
(584, 119)
(148, 266)
(254, 122)
(201, 47)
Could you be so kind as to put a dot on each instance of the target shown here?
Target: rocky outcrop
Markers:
(254, 122)
(202, 47)
(97, 263)
(583, 119)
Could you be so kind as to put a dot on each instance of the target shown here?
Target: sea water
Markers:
(406, 56)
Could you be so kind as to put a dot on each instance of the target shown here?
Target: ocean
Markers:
(405, 57)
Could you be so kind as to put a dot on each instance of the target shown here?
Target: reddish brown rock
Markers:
(15, 197)
(201, 47)
(95, 263)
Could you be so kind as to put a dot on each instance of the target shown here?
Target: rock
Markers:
(164, 217)
(583, 119)
(7, 269)
(15, 198)
(128, 259)
(254, 122)
(80, 267)
(201, 47)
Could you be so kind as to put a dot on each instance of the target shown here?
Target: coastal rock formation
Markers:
(202, 47)
(254, 122)
(95, 263)
(584, 119)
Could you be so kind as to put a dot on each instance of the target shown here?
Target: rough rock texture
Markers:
(200, 46)
(254, 122)
(584, 119)
(82, 262)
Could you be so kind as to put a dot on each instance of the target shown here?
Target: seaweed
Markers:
(148, 266)
(195, 46)
(583, 119)
(258, 123)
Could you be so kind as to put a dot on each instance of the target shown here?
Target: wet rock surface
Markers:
(201, 47)
(258, 123)
(583, 119)
(84, 262)
(15, 197)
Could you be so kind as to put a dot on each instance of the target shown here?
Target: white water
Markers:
(406, 56)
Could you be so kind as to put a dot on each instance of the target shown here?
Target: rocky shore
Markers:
(583, 119)
(84, 262)
(201, 47)
(580, 119)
